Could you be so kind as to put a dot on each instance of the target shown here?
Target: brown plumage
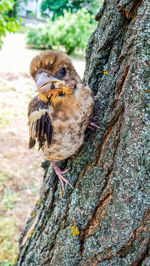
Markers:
(62, 110)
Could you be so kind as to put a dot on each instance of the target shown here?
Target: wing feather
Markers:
(48, 130)
(40, 126)
(33, 130)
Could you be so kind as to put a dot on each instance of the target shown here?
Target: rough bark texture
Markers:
(109, 202)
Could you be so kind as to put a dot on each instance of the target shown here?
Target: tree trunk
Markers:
(108, 205)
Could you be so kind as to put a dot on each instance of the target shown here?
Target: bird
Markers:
(61, 111)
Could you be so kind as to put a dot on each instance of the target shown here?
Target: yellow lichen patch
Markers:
(61, 193)
(75, 230)
(39, 202)
(106, 72)
(15, 260)
(34, 213)
(43, 98)
(31, 234)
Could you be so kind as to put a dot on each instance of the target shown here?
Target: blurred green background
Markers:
(64, 25)
(61, 24)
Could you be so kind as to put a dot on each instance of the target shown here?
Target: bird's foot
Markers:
(95, 117)
(92, 125)
(60, 173)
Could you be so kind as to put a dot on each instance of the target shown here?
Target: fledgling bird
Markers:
(62, 110)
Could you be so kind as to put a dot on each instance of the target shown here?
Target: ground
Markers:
(20, 168)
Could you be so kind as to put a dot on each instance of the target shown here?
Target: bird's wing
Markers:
(40, 126)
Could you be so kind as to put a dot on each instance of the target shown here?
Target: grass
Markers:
(4, 120)
(8, 228)
(14, 182)
(9, 198)
(8, 240)
(7, 263)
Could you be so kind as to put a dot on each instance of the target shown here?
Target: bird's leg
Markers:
(95, 117)
(92, 125)
(60, 173)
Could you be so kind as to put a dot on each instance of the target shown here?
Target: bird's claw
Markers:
(92, 125)
(63, 180)
(66, 171)
(60, 173)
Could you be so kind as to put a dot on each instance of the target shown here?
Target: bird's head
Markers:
(54, 75)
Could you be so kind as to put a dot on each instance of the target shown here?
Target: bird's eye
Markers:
(63, 71)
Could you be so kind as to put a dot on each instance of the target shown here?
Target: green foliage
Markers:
(7, 23)
(70, 31)
(13, 12)
(57, 7)
(38, 38)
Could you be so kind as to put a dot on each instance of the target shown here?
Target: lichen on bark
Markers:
(109, 202)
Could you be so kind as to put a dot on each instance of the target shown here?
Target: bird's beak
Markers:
(45, 82)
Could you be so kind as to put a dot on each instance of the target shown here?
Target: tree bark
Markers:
(109, 203)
